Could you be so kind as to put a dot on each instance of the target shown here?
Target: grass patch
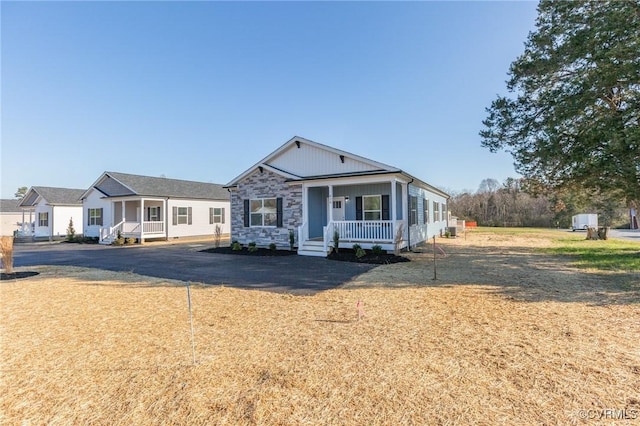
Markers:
(609, 255)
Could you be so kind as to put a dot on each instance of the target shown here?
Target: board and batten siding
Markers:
(309, 160)
(200, 225)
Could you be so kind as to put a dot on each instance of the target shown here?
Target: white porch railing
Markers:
(131, 227)
(111, 233)
(364, 230)
(154, 227)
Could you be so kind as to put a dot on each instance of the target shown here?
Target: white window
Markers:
(263, 212)
(413, 214)
(183, 215)
(216, 215)
(43, 219)
(372, 207)
(425, 205)
(95, 217)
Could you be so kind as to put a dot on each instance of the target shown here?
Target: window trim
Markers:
(95, 219)
(365, 211)
(216, 218)
(413, 210)
(43, 219)
(425, 211)
(263, 214)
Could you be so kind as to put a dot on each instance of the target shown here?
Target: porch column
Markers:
(330, 203)
(405, 208)
(142, 221)
(393, 208)
(165, 203)
(305, 216)
(123, 212)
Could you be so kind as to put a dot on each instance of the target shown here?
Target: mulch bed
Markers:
(17, 275)
(244, 251)
(348, 255)
(344, 255)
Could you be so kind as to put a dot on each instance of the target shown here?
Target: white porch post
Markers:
(165, 203)
(142, 221)
(122, 209)
(330, 203)
(393, 208)
(305, 216)
(405, 200)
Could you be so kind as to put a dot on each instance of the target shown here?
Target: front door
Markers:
(337, 206)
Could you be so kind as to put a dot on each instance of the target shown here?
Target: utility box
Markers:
(584, 221)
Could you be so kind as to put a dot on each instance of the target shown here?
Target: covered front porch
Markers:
(139, 218)
(366, 211)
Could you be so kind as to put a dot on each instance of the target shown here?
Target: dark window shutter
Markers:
(279, 212)
(189, 220)
(246, 213)
(222, 215)
(100, 218)
(88, 216)
(175, 215)
(385, 207)
(210, 215)
(358, 208)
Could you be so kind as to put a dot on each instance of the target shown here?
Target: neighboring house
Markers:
(144, 207)
(12, 218)
(314, 190)
(52, 209)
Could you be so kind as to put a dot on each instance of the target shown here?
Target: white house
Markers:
(144, 207)
(11, 217)
(52, 209)
(313, 191)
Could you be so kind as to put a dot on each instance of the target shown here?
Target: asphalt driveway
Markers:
(185, 262)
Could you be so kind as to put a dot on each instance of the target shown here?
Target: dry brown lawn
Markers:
(503, 336)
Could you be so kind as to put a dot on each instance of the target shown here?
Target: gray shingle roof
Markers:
(9, 206)
(164, 187)
(60, 196)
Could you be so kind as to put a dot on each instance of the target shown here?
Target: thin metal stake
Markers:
(435, 273)
(193, 340)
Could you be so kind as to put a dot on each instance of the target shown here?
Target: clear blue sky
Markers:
(203, 90)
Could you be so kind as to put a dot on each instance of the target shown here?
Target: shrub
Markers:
(6, 247)
(217, 236)
(71, 231)
(252, 247)
(336, 240)
(292, 239)
(356, 246)
(130, 241)
(118, 241)
(377, 250)
(236, 246)
(273, 247)
(360, 253)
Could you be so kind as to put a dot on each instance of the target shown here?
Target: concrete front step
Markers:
(312, 248)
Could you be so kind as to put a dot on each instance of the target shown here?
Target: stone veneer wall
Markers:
(266, 185)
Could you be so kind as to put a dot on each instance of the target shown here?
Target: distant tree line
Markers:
(517, 203)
